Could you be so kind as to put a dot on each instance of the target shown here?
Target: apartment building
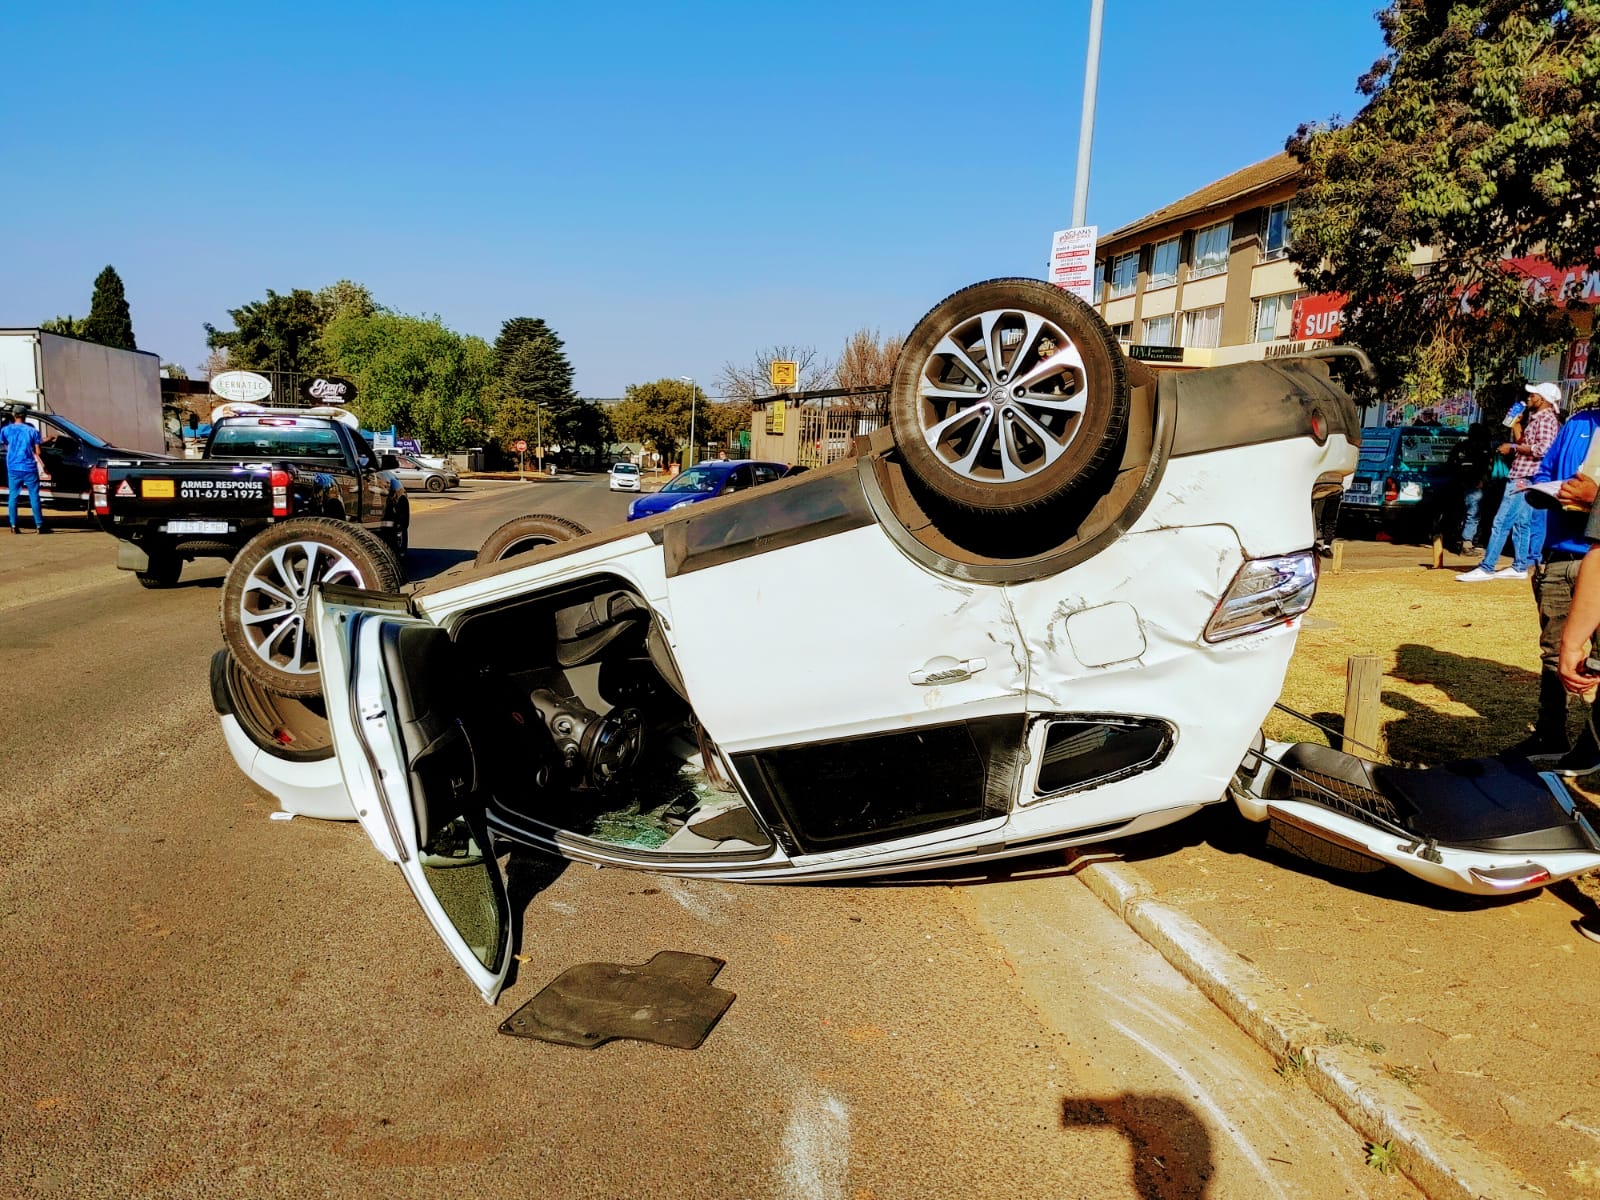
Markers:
(1206, 279)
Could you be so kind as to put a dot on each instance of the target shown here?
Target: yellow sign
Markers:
(784, 374)
(156, 489)
(775, 416)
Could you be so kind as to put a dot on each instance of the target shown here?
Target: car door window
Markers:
(836, 795)
(766, 473)
(738, 480)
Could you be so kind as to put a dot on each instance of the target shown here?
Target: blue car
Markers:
(706, 481)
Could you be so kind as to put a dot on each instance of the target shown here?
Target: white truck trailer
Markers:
(113, 393)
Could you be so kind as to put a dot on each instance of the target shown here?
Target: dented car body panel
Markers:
(857, 671)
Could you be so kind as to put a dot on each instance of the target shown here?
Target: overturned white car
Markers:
(1049, 605)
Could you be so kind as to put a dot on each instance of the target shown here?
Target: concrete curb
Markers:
(1436, 1156)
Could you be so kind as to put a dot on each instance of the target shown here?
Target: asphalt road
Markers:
(200, 1001)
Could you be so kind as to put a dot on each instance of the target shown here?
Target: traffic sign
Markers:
(784, 374)
(521, 446)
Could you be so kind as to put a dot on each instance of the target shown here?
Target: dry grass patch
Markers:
(1460, 661)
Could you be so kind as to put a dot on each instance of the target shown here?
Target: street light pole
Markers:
(692, 393)
(1091, 81)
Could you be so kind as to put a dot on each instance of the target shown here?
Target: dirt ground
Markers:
(1481, 1006)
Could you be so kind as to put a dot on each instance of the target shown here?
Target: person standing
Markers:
(24, 469)
(1516, 518)
(1470, 462)
(1566, 543)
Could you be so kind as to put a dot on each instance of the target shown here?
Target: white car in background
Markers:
(624, 477)
(1049, 605)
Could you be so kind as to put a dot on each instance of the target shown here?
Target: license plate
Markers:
(156, 489)
(197, 527)
(1361, 498)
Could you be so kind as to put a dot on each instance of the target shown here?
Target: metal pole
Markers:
(692, 395)
(538, 436)
(1091, 82)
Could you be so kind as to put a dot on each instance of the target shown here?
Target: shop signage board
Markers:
(1072, 261)
(243, 387)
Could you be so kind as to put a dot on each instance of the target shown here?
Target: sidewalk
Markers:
(1454, 1027)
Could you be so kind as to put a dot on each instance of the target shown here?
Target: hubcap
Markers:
(277, 595)
(1002, 396)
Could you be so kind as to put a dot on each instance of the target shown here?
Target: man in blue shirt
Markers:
(24, 469)
(1554, 578)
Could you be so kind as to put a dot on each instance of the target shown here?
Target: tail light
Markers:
(1391, 490)
(1265, 592)
(99, 482)
(280, 493)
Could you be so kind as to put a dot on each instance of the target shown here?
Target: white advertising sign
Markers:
(244, 386)
(1072, 261)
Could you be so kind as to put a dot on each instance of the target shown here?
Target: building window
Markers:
(1124, 274)
(1203, 327)
(1099, 282)
(1122, 332)
(1274, 315)
(1211, 250)
(1158, 331)
(1164, 264)
(1275, 233)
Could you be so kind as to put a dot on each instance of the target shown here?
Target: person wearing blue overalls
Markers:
(24, 469)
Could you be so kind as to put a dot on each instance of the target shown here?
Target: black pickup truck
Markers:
(259, 470)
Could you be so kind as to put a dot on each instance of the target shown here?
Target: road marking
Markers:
(816, 1148)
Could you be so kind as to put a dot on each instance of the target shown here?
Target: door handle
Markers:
(945, 669)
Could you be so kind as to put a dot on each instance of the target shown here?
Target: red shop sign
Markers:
(1578, 359)
(1318, 317)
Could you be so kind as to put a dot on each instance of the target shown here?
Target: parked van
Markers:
(1400, 480)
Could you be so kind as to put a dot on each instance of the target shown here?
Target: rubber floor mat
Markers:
(668, 1000)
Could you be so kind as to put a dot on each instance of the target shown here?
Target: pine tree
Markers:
(532, 366)
(109, 322)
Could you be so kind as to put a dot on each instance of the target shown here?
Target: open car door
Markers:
(395, 694)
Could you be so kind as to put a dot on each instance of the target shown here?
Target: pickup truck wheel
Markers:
(162, 572)
(398, 535)
(267, 593)
(1007, 396)
(522, 534)
(435, 483)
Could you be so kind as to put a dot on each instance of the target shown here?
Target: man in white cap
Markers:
(1516, 519)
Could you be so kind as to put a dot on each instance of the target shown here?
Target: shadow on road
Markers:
(527, 874)
(426, 563)
(1167, 1141)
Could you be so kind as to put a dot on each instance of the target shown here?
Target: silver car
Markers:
(416, 475)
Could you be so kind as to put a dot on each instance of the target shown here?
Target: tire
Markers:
(522, 534)
(162, 572)
(267, 633)
(398, 535)
(970, 434)
(435, 483)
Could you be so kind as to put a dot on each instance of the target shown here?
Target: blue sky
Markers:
(671, 187)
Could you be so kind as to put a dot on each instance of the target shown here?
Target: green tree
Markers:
(174, 370)
(720, 422)
(1481, 140)
(345, 298)
(279, 333)
(657, 415)
(109, 322)
(67, 326)
(413, 373)
(531, 365)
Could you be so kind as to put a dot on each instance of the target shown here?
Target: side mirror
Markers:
(388, 462)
